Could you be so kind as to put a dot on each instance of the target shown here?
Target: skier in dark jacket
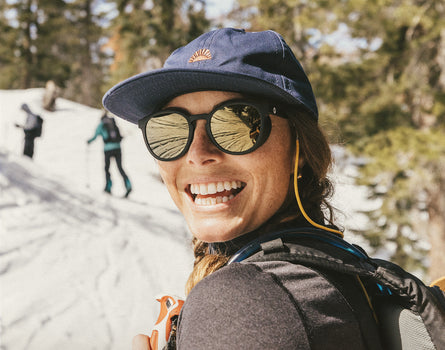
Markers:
(110, 134)
(232, 122)
(32, 129)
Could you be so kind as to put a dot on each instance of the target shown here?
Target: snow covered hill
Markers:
(80, 269)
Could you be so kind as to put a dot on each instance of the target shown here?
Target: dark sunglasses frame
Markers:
(264, 109)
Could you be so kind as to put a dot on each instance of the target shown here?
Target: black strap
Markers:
(324, 251)
(308, 246)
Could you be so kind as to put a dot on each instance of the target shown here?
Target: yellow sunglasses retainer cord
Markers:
(297, 195)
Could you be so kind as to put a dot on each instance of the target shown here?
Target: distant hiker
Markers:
(233, 124)
(50, 95)
(111, 136)
(32, 129)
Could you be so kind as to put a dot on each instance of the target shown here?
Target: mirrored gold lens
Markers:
(167, 135)
(236, 128)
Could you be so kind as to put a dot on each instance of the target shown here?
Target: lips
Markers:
(215, 192)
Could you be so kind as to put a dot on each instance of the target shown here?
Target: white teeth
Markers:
(214, 187)
(203, 189)
(213, 200)
(211, 188)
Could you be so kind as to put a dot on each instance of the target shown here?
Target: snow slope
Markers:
(80, 269)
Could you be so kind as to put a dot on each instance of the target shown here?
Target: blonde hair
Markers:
(315, 189)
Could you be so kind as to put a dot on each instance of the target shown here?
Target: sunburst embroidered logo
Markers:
(200, 55)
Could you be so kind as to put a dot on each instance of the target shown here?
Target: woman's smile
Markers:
(212, 193)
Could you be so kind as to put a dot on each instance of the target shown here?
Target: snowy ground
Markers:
(80, 269)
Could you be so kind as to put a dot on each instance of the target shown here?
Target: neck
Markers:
(228, 248)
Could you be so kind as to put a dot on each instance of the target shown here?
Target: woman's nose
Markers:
(202, 151)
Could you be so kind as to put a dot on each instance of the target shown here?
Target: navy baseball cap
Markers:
(251, 63)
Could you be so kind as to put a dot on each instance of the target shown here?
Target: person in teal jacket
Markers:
(109, 131)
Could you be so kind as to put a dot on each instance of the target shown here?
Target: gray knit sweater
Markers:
(274, 305)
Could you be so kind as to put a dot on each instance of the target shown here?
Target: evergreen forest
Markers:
(377, 68)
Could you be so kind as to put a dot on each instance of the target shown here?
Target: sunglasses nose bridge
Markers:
(192, 121)
(201, 147)
(194, 118)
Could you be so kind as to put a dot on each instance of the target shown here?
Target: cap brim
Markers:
(146, 93)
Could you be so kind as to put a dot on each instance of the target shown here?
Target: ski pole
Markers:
(87, 165)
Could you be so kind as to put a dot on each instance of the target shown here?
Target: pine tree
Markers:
(143, 36)
(19, 36)
(87, 61)
(9, 74)
(402, 102)
(386, 93)
(53, 40)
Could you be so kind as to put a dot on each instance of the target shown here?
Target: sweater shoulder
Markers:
(263, 305)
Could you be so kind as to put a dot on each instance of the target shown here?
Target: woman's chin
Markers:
(210, 235)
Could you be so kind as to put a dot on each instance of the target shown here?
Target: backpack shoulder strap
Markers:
(307, 245)
(416, 310)
(411, 315)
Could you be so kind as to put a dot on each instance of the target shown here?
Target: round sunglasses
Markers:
(234, 127)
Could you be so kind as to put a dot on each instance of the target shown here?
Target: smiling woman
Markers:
(232, 122)
(224, 130)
